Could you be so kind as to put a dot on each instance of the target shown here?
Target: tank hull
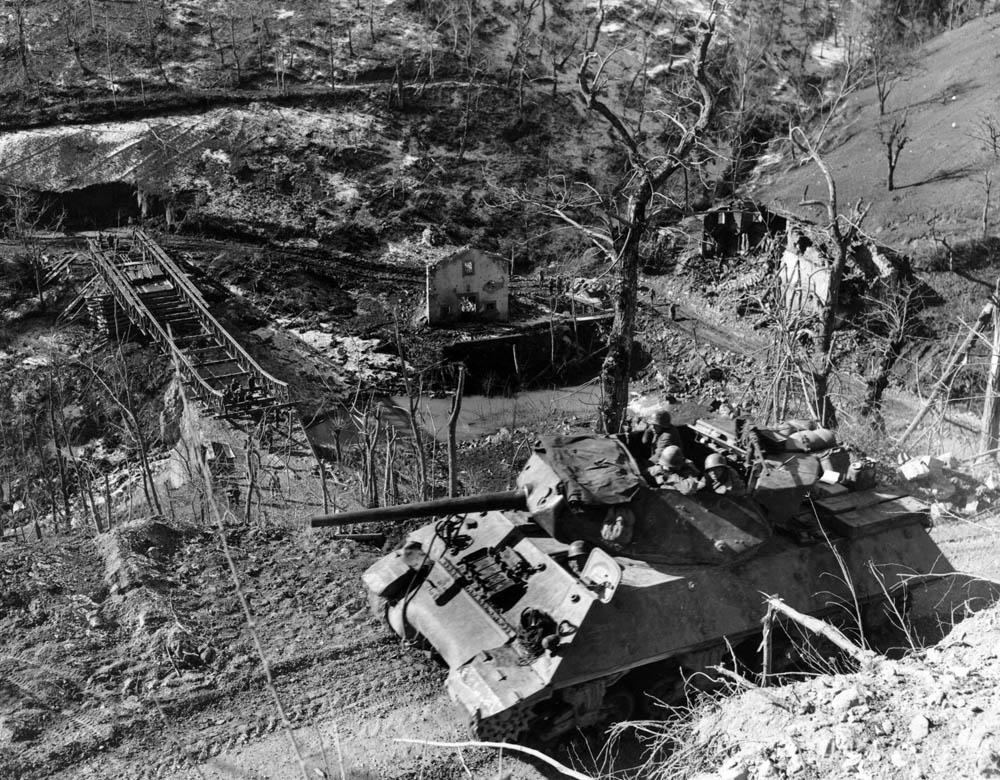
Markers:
(609, 586)
(683, 614)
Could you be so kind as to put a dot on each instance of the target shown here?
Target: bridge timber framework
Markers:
(158, 298)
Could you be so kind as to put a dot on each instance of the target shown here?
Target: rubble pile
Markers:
(935, 713)
(949, 489)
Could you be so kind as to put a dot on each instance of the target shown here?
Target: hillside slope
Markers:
(951, 86)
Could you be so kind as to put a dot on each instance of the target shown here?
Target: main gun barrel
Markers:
(511, 499)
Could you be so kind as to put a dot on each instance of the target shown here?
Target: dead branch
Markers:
(823, 629)
(561, 768)
(985, 316)
(736, 677)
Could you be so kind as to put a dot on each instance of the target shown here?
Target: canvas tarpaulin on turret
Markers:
(594, 470)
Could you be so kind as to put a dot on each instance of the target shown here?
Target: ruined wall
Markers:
(805, 268)
(468, 284)
(727, 232)
(804, 273)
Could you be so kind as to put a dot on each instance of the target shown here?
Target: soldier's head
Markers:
(714, 461)
(671, 459)
(716, 467)
(659, 419)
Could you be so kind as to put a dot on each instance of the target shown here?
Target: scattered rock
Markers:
(824, 744)
(988, 760)
(846, 699)
(919, 728)
(734, 769)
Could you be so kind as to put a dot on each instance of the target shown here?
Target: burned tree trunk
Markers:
(894, 323)
(648, 174)
(616, 370)
(871, 407)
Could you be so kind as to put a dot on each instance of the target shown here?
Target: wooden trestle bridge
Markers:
(157, 297)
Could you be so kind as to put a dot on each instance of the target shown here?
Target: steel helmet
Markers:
(671, 457)
(661, 418)
(714, 461)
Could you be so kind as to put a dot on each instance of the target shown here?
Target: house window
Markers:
(490, 306)
(468, 304)
(446, 311)
(468, 268)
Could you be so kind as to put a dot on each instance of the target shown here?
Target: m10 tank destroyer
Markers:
(591, 592)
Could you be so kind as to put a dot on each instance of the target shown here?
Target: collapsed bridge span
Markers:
(157, 297)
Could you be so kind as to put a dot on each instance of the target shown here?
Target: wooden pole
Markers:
(765, 646)
(990, 437)
(985, 316)
(456, 407)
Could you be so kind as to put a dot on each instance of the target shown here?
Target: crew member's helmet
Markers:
(672, 458)
(715, 461)
(661, 418)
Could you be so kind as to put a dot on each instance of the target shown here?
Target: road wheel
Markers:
(617, 705)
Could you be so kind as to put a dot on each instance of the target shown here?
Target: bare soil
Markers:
(128, 655)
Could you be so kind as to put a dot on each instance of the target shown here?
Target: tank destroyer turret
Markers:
(592, 591)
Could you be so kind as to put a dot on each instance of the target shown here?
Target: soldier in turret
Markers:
(675, 472)
(722, 478)
(659, 435)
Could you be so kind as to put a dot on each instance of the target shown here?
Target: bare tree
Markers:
(152, 43)
(843, 229)
(647, 175)
(987, 191)
(233, 18)
(21, 46)
(886, 73)
(893, 322)
(989, 134)
(616, 222)
(893, 136)
(749, 81)
(413, 392)
(27, 214)
(881, 32)
(122, 398)
(524, 11)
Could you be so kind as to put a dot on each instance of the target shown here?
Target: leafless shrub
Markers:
(892, 134)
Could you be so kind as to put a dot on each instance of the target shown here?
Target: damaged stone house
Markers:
(738, 228)
(467, 285)
(745, 228)
(804, 269)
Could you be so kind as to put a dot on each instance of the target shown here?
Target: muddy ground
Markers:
(301, 208)
(129, 654)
